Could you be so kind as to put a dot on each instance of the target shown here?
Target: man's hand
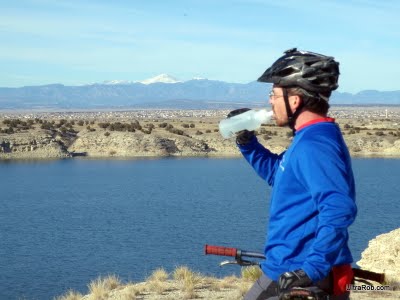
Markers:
(297, 278)
(237, 112)
(242, 137)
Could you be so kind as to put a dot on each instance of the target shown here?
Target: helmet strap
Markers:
(291, 116)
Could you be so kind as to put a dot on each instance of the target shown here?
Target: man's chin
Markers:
(280, 123)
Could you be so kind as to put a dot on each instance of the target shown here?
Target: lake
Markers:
(66, 222)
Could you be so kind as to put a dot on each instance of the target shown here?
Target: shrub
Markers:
(188, 280)
(251, 273)
(266, 137)
(100, 287)
(176, 131)
(103, 125)
(146, 131)
(9, 130)
(160, 275)
(150, 126)
(106, 133)
(192, 125)
(70, 295)
(47, 126)
(157, 281)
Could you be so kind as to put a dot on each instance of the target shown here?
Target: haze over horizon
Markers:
(78, 43)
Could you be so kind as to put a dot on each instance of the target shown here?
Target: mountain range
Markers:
(164, 91)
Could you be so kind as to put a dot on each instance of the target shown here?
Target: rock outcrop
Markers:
(40, 145)
(373, 146)
(101, 143)
(383, 256)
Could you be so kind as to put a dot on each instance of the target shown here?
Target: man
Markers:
(313, 195)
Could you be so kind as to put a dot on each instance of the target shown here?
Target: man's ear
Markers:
(296, 101)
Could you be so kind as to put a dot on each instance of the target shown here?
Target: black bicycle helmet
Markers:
(311, 71)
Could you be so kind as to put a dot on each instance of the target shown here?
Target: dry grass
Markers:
(159, 275)
(188, 281)
(158, 281)
(186, 284)
(101, 287)
(251, 273)
(70, 295)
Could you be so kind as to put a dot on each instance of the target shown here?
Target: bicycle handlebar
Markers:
(219, 250)
(238, 254)
(226, 251)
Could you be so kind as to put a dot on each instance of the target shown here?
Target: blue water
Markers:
(66, 222)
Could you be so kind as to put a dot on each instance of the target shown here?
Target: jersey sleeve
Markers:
(263, 161)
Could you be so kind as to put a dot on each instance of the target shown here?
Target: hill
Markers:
(163, 92)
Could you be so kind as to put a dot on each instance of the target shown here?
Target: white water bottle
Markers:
(249, 120)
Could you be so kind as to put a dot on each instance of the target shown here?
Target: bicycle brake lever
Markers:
(228, 262)
(241, 262)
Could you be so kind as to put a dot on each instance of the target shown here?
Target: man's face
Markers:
(278, 106)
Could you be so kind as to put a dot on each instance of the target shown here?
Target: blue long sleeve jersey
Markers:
(312, 202)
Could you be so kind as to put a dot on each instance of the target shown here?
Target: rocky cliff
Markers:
(118, 144)
(51, 139)
(28, 145)
(383, 256)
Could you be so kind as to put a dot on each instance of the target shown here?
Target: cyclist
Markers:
(313, 194)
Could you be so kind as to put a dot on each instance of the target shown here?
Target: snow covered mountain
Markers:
(163, 91)
(163, 78)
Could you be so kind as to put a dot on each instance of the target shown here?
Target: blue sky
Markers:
(78, 42)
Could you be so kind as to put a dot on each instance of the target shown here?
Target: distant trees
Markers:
(118, 126)
(16, 125)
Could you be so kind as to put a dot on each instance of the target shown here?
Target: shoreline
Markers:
(160, 134)
(154, 157)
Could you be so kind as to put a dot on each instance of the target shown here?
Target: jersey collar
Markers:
(315, 121)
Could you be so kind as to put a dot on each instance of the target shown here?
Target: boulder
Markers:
(383, 256)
